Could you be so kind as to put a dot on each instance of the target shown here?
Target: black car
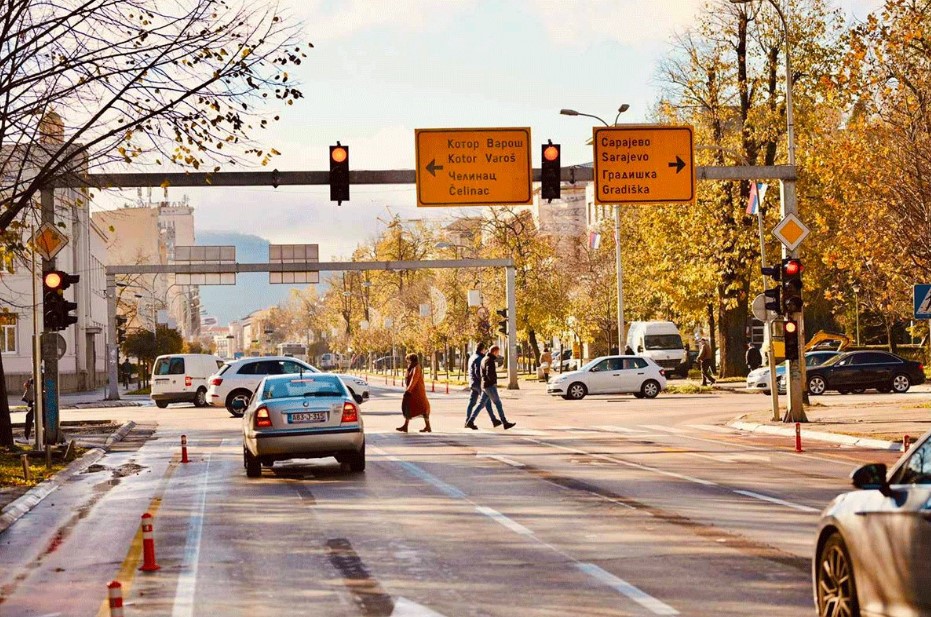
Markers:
(856, 371)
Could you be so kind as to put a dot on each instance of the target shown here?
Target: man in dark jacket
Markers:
(754, 357)
(489, 374)
(475, 384)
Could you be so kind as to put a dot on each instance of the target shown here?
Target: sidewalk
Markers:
(90, 398)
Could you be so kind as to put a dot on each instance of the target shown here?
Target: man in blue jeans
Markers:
(489, 373)
(475, 384)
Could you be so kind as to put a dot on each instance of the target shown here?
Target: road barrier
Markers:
(148, 545)
(115, 595)
(798, 437)
(184, 458)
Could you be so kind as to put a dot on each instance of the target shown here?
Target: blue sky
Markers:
(381, 69)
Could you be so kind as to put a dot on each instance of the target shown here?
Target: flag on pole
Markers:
(594, 240)
(757, 193)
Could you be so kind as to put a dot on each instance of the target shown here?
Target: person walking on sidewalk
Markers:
(414, 402)
(489, 372)
(29, 397)
(546, 360)
(475, 385)
(704, 362)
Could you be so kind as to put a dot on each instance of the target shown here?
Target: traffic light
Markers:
(503, 324)
(790, 331)
(550, 171)
(791, 285)
(120, 330)
(773, 295)
(339, 173)
(56, 310)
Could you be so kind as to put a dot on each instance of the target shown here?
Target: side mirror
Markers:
(238, 405)
(871, 477)
(358, 398)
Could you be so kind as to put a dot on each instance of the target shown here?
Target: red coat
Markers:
(415, 396)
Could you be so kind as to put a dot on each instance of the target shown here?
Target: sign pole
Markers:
(49, 342)
(770, 355)
(620, 279)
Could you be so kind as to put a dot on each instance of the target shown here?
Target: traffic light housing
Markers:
(790, 333)
(791, 285)
(773, 294)
(56, 311)
(120, 330)
(503, 324)
(550, 171)
(339, 173)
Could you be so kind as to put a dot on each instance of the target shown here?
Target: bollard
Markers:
(447, 387)
(26, 475)
(184, 458)
(115, 595)
(906, 443)
(432, 386)
(798, 437)
(148, 545)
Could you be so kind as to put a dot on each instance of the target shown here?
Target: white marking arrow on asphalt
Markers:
(406, 608)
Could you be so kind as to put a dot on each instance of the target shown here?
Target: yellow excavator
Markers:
(822, 340)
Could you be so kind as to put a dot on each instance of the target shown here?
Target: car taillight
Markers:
(350, 413)
(262, 419)
(662, 372)
(216, 381)
(188, 381)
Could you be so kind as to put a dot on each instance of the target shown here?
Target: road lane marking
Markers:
(713, 428)
(187, 578)
(408, 608)
(664, 429)
(500, 458)
(734, 458)
(621, 586)
(618, 429)
(617, 584)
(781, 502)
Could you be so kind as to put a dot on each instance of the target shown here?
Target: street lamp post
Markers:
(617, 234)
(856, 310)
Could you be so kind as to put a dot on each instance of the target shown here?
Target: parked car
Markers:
(182, 378)
(639, 376)
(237, 380)
(302, 416)
(661, 342)
(871, 553)
(859, 370)
(758, 379)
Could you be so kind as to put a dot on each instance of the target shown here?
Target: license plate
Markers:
(307, 416)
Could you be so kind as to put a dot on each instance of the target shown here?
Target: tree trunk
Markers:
(6, 423)
(712, 331)
(534, 346)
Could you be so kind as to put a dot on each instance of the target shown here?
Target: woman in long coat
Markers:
(415, 401)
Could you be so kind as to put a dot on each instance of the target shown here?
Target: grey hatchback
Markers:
(302, 416)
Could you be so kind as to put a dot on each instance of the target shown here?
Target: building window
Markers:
(7, 333)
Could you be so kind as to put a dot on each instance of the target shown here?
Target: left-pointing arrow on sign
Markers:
(678, 164)
(432, 167)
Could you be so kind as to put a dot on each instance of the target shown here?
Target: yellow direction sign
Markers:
(639, 164)
(473, 167)
(48, 241)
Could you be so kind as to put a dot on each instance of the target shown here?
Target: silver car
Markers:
(302, 416)
(872, 555)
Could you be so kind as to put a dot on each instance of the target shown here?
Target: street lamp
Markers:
(856, 309)
(617, 234)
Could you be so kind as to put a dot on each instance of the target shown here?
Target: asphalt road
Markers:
(607, 506)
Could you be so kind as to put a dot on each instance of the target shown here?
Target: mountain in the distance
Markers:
(252, 290)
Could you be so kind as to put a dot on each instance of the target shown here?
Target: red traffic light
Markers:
(551, 153)
(791, 327)
(339, 154)
(793, 267)
(53, 280)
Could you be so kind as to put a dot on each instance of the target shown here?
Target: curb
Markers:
(847, 440)
(31, 498)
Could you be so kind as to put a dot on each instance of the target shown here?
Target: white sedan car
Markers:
(636, 375)
(236, 381)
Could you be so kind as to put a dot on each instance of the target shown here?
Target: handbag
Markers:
(405, 404)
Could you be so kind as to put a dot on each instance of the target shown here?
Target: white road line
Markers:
(505, 521)
(618, 429)
(712, 428)
(187, 578)
(502, 459)
(408, 608)
(664, 429)
(774, 500)
(621, 586)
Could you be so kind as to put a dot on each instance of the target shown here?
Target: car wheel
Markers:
(161, 404)
(238, 395)
(901, 383)
(638, 394)
(834, 581)
(766, 392)
(843, 391)
(858, 390)
(650, 388)
(577, 391)
(357, 460)
(200, 399)
(253, 465)
(817, 385)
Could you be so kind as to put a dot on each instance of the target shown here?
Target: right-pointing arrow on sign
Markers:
(678, 164)
(432, 167)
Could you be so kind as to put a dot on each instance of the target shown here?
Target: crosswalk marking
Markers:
(618, 429)
(665, 429)
(711, 427)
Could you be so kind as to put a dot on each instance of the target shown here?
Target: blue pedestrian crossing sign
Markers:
(922, 301)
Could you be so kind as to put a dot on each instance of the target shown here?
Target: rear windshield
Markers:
(317, 386)
(662, 341)
(169, 366)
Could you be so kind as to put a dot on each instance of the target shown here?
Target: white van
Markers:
(661, 342)
(182, 378)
